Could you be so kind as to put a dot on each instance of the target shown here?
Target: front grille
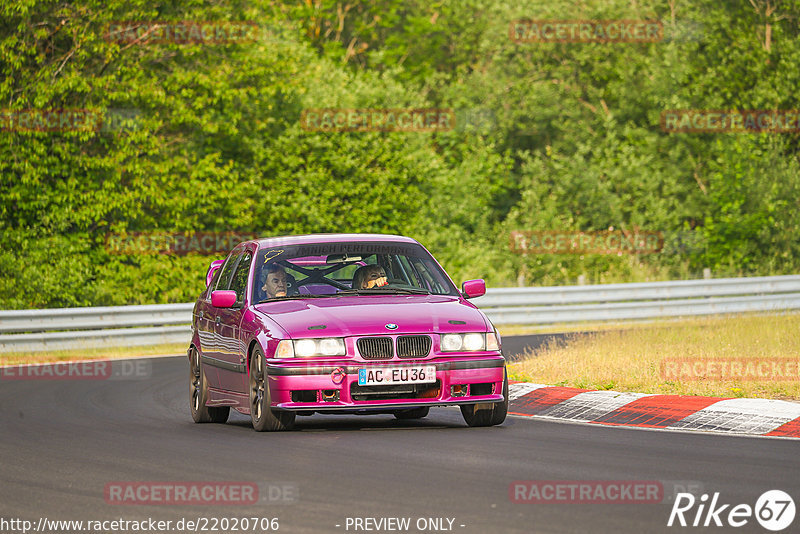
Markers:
(375, 348)
(395, 392)
(413, 346)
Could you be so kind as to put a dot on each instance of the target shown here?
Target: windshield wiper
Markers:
(296, 297)
(384, 291)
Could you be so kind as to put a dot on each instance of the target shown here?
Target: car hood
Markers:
(369, 315)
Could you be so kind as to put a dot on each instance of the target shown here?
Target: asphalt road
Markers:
(62, 442)
(514, 347)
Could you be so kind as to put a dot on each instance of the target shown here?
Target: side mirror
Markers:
(213, 269)
(473, 288)
(223, 299)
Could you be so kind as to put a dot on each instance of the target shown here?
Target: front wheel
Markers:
(261, 413)
(198, 387)
(489, 416)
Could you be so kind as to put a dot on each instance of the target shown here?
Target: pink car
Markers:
(347, 323)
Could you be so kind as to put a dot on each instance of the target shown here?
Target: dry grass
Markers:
(631, 360)
(11, 358)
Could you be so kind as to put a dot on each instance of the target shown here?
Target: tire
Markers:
(491, 417)
(413, 413)
(263, 416)
(198, 391)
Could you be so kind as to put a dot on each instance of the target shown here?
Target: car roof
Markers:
(330, 238)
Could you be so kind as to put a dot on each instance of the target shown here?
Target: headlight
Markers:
(305, 347)
(468, 342)
(332, 346)
(326, 346)
(474, 341)
(451, 342)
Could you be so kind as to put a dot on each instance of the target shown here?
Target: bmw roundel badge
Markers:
(391, 326)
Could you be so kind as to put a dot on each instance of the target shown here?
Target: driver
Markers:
(369, 276)
(274, 281)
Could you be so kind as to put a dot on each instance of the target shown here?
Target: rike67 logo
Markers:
(774, 510)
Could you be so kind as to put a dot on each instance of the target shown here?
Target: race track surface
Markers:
(62, 442)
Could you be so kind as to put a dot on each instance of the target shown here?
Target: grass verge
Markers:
(14, 358)
(639, 359)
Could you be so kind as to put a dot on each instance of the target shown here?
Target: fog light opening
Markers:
(330, 395)
(304, 395)
(485, 388)
(459, 390)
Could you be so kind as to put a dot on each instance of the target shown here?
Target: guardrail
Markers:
(76, 328)
(648, 300)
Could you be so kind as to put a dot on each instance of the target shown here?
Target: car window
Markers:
(345, 274)
(342, 274)
(224, 280)
(239, 281)
(328, 269)
(430, 278)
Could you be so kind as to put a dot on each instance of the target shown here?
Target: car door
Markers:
(205, 317)
(211, 320)
(231, 354)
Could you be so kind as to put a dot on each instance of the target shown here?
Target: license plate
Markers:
(380, 376)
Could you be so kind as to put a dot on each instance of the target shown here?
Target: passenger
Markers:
(274, 281)
(369, 276)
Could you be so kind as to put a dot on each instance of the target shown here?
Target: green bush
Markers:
(550, 136)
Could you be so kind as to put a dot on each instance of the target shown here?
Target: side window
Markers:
(239, 281)
(224, 279)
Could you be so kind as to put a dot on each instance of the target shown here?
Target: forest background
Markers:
(564, 136)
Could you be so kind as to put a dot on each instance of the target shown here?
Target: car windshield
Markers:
(360, 268)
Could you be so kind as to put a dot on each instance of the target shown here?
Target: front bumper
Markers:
(459, 380)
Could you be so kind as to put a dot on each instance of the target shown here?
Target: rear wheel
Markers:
(413, 413)
(262, 415)
(199, 394)
(488, 416)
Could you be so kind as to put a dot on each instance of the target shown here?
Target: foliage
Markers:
(207, 137)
